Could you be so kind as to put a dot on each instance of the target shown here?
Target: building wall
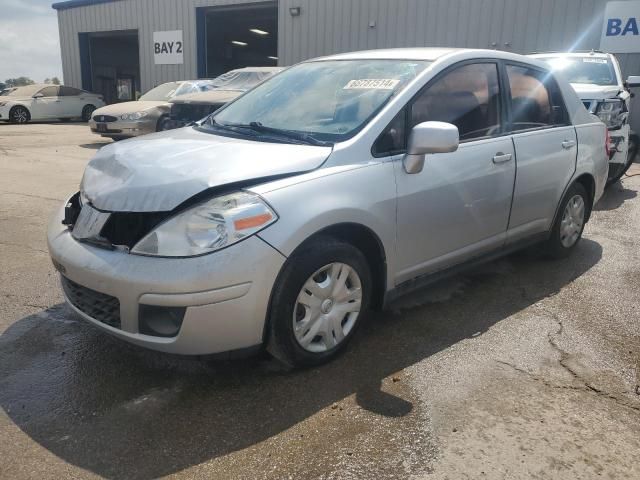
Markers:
(332, 26)
(519, 26)
(146, 16)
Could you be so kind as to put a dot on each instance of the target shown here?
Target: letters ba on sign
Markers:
(620, 32)
(167, 47)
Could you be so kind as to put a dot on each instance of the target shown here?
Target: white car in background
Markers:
(47, 102)
(597, 79)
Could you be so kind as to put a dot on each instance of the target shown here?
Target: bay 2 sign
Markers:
(168, 47)
(621, 29)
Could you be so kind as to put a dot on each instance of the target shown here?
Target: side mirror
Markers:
(429, 137)
(633, 81)
(38, 95)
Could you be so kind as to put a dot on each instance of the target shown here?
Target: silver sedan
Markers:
(327, 191)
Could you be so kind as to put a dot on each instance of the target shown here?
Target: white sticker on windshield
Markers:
(372, 84)
(594, 60)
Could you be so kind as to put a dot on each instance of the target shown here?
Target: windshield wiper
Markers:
(289, 134)
(230, 127)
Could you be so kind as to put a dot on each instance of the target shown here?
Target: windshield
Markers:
(26, 91)
(587, 69)
(242, 80)
(330, 100)
(167, 91)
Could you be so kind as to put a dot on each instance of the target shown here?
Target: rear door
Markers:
(545, 144)
(71, 102)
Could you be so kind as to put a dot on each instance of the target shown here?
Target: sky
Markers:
(29, 42)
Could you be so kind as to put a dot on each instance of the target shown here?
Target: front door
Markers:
(48, 105)
(458, 206)
(546, 147)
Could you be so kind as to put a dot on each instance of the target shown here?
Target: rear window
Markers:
(535, 99)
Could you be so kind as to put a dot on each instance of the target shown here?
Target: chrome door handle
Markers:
(567, 144)
(501, 157)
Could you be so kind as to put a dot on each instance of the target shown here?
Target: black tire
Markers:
(87, 111)
(554, 246)
(19, 114)
(300, 267)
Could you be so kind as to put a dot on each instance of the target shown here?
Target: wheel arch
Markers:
(589, 184)
(20, 105)
(361, 237)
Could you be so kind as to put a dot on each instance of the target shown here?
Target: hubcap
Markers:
(572, 221)
(327, 307)
(20, 115)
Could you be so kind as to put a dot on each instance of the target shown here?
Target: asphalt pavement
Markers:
(522, 368)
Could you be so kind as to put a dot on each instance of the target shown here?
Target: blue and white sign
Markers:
(621, 29)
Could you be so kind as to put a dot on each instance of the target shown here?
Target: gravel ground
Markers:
(523, 368)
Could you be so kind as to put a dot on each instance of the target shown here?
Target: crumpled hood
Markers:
(158, 172)
(595, 92)
(117, 109)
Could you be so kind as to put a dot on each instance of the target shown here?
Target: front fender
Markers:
(365, 196)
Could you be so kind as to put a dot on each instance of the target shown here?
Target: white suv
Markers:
(597, 79)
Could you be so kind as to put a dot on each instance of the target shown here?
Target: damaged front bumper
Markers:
(216, 302)
(619, 144)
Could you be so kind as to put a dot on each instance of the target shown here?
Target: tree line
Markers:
(22, 81)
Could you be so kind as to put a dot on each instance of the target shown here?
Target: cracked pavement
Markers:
(522, 368)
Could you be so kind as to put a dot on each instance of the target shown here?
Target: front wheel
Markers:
(320, 298)
(19, 114)
(569, 225)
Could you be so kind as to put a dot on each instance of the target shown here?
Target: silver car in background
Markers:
(187, 109)
(328, 190)
(145, 115)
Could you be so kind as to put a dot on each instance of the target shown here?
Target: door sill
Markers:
(425, 280)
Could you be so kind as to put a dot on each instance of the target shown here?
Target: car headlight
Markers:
(133, 116)
(2, 104)
(209, 226)
(611, 112)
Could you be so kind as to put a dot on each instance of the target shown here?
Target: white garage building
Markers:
(143, 43)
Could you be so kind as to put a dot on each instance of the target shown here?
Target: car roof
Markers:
(570, 54)
(430, 54)
(257, 69)
(426, 53)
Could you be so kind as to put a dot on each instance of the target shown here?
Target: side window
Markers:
(393, 139)
(69, 91)
(468, 97)
(49, 91)
(536, 100)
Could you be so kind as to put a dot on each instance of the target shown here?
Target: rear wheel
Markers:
(569, 225)
(321, 296)
(19, 114)
(87, 111)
